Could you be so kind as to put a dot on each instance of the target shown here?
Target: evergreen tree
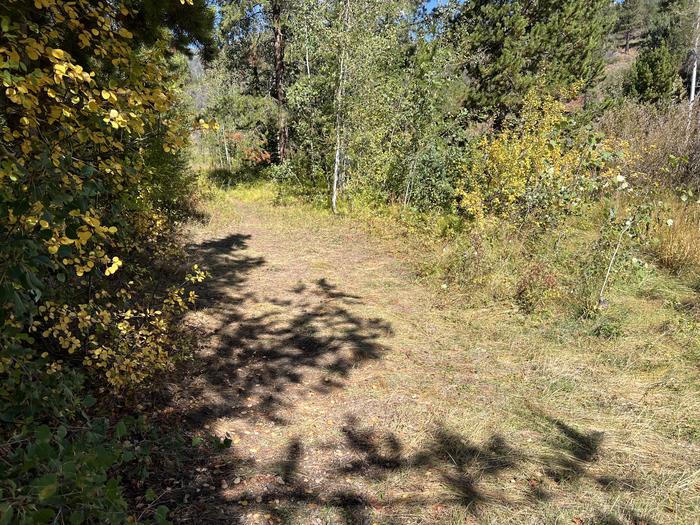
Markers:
(634, 16)
(507, 46)
(654, 77)
(255, 37)
(245, 46)
(190, 24)
(673, 25)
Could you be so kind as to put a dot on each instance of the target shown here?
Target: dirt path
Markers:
(350, 397)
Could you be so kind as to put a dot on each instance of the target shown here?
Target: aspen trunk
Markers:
(694, 75)
(228, 156)
(308, 75)
(279, 93)
(338, 115)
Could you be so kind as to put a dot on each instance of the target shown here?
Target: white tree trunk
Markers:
(338, 115)
(694, 76)
(338, 141)
(308, 75)
(220, 158)
(409, 182)
(306, 48)
(228, 156)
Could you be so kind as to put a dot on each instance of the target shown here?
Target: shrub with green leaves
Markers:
(91, 186)
(654, 76)
(63, 475)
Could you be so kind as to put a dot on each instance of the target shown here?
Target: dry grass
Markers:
(678, 246)
(664, 142)
(468, 414)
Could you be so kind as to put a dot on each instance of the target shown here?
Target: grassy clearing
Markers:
(473, 411)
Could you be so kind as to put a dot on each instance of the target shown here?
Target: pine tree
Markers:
(634, 16)
(654, 76)
(508, 46)
(190, 24)
(673, 24)
(255, 36)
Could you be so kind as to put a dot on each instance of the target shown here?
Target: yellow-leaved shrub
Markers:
(90, 140)
(533, 170)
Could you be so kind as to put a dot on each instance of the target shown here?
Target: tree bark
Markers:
(225, 140)
(279, 92)
(338, 139)
(310, 109)
(695, 56)
(306, 46)
(338, 114)
(254, 62)
(694, 76)
(409, 182)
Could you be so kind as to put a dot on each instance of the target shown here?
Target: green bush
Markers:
(57, 461)
(654, 77)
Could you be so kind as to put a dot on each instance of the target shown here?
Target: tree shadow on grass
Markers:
(262, 363)
(227, 179)
(308, 340)
(284, 491)
(268, 354)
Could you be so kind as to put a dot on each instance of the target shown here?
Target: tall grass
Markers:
(664, 142)
(677, 245)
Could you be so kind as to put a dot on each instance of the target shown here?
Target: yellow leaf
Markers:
(84, 236)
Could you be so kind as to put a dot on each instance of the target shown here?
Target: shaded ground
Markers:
(349, 395)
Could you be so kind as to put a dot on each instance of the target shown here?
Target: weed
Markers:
(607, 327)
(536, 286)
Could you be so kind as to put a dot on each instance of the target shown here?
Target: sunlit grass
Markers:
(597, 413)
